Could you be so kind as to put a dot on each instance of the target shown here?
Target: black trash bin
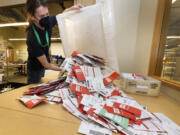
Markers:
(13, 85)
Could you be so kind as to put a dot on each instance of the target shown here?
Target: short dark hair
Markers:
(32, 5)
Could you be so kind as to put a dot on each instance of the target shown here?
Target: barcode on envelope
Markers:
(128, 132)
(93, 132)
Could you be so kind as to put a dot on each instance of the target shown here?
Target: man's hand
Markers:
(76, 7)
(61, 73)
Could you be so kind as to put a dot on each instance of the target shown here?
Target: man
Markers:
(39, 39)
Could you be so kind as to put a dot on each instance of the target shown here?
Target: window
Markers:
(165, 53)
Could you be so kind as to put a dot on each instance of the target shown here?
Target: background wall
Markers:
(144, 36)
(57, 49)
(85, 2)
(20, 49)
(4, 34)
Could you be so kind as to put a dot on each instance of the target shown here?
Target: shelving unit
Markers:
(170, 65)
(4, 65)
(7, 70)
(2, 61)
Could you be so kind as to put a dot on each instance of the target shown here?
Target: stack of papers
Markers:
(88, 92)
(45, 88)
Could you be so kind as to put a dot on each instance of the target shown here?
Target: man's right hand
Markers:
(61, 73)
(75, 7)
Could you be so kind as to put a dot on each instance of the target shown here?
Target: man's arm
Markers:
(50, 56)
(43, 60)
(51, 21)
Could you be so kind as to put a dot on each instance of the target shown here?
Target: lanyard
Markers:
(38, 38)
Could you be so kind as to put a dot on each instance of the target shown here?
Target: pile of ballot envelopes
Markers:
(88, 92)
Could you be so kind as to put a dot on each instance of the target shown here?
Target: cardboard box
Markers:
(138, 84)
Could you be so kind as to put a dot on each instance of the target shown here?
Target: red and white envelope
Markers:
(79, 89)
(128, 108)
(78, 73)
(31, 101)
(120, 112)
(109, 79)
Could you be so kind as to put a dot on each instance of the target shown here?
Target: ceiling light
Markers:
(166, 45)
(173, 1)
(14, 24)
(172, 37)
(24, 39)
(178, 45)
(55, 38)
(17, 39)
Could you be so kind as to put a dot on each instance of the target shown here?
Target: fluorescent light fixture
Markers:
(17, 39)
(173, 1)
(172, 37)
(55, 38)
(14, 24)
(24, 39)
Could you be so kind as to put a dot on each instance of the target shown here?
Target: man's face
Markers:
(40, 13)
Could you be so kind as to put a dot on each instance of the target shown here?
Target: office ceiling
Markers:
(17, 13)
